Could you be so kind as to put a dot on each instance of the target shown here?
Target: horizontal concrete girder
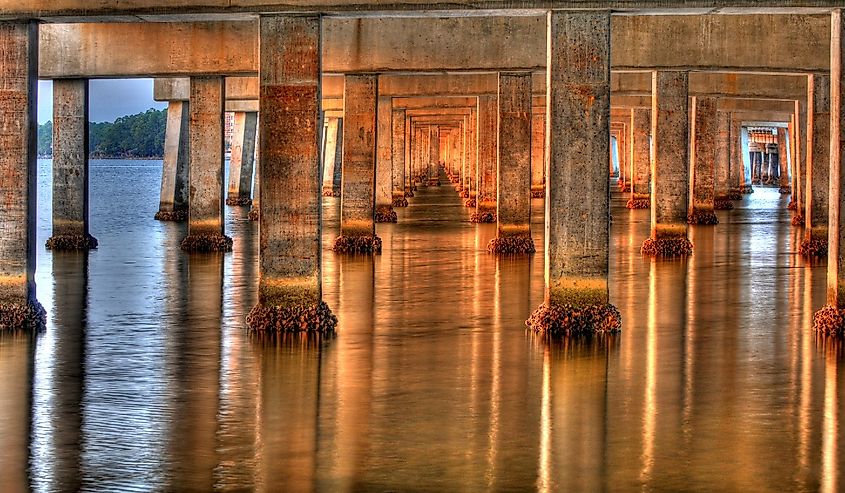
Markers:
(735, 43)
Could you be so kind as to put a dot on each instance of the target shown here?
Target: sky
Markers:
(109, 99)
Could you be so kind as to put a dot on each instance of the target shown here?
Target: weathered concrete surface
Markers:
(800, 43)
(513, 200)
(173, 202)
(640, 158)
(470, 178)
(19, 309)
(397, 158)
(70, 166)
(243, 159)
(486, 170)
(783, 160)
(669, 165)
(703, 133)
(538, 155)
(205, 212)
(384, 163)
(433, 155)
(723, 161)
(736, 160)
(817, 185)
(329, 157)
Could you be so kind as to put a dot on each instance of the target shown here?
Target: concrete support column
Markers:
(357, 227)
(831, 318)
(19, 308)
(434, 156)
(384, 162)
(800, 162)
(330, 157)
(736, 160)
(538, 159)
(703, 123)
(622, 152)
(397, 149)
(243, 159)
(485, 209)
(70, 166)
(640, 158)
(783, 162)
(722, 199)
(818, 167)
(173, 205)
(747, 164)
(290, 265)
(410, 187)
(470, 191)
(513, 200)
(669, 165)
(578, 180)
(255, 210)
(205, 214)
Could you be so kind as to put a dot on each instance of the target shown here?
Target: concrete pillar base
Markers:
(409, 192)
(238, 201)
(639, 201)
(746, 189)
(330, 192)
(785, 190)
(385, 214)
(209, 242)
(538, 191)
(829, 320)
(399, 200)
(509, 245)
(678, 246)
(71, 242)
(702, 217)
(483, 215)
(301, 317)
(734, 194)
(367, 244)
(29, 316)
(171, 215)
(464, 193)
(254, 214)
(798, 220)
(434, 182)
(624, 187)
(555, 319)
(813, 248)
(722, 203)
(791, 206)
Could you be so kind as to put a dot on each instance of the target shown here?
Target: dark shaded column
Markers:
(243, 159)
(702, 159)
(434, 156)
(577, 185)
(818, 167)
(736, 161)
(384, 165)
(173, 205)
(783, 162)
(722, 199)
(19, 309)
(513, 200)
(622, 157)
(70, 166)
(397, 149)
(357, 228)
(831, 318)
(205, 214)
(329, 158)
(538, 157)
(669, 165)
(485, 209)
(640, 130)
(290, 266)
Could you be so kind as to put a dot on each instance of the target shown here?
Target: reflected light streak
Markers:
(545, 466)
(495, 398)
(830, 425)
(649, 407)
(806, 378)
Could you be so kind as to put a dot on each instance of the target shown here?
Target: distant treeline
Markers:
(133, 136)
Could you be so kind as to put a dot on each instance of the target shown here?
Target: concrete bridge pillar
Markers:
(818, 167)
(397, 159)
(243, 158)
(722, 199)
(470, 191)
(831, 318)
(70, 166)
(621, 136)
(669, 165)
(783, 161)
(290, 268)
(384, 163)
(255, 210)
(538, 156)
(640, 145)
(485, 209)
(205, 213)
(736, 160)
(800, 141)
(19, 309)
(513, 201)
(577, 185)
(703, 123)
(173, 204)
(434, 156)
(333, 129)
(357, 225)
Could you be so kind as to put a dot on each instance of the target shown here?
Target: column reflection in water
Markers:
(16, 366)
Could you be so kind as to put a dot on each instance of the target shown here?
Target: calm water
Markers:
(146, 379)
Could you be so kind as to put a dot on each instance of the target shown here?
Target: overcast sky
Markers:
(109, 99)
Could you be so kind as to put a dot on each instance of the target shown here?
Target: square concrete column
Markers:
(783, 161)
(746, 161)
(619, 133)
(255, 209)
(384, 165)
(640, 158)
(703, 124)
(434, 157)
(173, 204)
(736, 161)
(409, 157)
(485, 209)
(243, 158)
(19, 309)
(357, 226)
(831, 318)
(669, 165)
(205, 214)
(578, 179)
(817, 174)
(538, 157)
(470, 191)
(290, 264)
(397, 149)
(722, 199)
(329, 158)
(513, 200)
(70, 166)
(800, 139)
